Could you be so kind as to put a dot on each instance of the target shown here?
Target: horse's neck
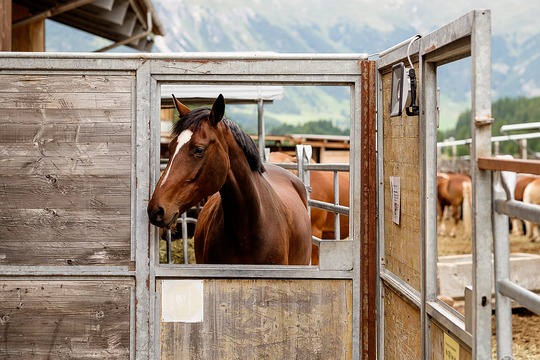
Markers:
(241, 194)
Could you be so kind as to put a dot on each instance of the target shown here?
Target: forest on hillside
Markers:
(505, 111)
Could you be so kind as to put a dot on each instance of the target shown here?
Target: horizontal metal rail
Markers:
(523, 296)
(518, 209)
(343, 210)
(534, 135)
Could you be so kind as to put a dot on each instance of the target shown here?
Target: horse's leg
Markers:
(517, 227)
(535, 233)
(456, 216)
(440, 219)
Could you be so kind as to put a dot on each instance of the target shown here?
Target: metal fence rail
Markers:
(504, 206)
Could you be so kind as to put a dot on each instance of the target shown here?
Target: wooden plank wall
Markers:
(65, 200)
(266, 319)
(65, 319)
(65, 160)
(402, 252)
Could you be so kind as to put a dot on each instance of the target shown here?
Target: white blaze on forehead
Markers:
(181, 140)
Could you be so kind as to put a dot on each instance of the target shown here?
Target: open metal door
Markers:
(407, 165)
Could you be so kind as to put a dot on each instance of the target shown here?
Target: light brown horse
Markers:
(531, 195)
(322, 189)
(454, 190)
(521, 183)
(256, 214)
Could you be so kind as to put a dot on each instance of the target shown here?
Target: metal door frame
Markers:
(470, 35)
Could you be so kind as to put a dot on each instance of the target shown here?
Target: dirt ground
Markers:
(526, 325)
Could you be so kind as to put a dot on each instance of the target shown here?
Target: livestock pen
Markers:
(79, 261)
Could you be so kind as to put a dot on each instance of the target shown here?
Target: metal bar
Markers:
(249, 271)
(428, 194)
(82, 270)
(501, 257)
(482, 232)
(337, 226)
(523, 296)
(518, 209)
(514, 165)
(401, 287)
(261, 132)
(329, 207)
(185, 238)
(363, 190)
(517, 127)
(144, 262)
(328, 167)
(450, 320)
(169, 247)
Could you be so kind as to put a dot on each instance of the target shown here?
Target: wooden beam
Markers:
(28, 37)
(5, 25)
(516, 165)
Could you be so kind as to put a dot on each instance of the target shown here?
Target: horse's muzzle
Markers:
(157, 216)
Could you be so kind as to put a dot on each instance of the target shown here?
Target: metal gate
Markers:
(82, 137)
(80, 154)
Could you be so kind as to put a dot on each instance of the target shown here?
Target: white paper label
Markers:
(396, 198)
(182, 301)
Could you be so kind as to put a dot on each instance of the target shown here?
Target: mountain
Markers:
(344, 26)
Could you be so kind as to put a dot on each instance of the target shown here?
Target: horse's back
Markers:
(285, 183)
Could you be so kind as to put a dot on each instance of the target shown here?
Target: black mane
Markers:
(197, 116)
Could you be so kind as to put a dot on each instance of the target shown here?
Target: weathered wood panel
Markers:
(402, 159)
(402, 335)
(266, 319)
(65, 169)
(65, 319)
(437, 345)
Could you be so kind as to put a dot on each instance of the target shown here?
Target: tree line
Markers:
(505, 111)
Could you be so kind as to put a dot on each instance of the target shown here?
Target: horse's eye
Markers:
(199, 151)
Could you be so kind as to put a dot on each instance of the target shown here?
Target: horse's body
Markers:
(521, 183)
(454, 190)
(256, 214)
(531, 195)
(322, 189)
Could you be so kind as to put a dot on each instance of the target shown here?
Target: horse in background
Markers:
(521, 183)
(322, 189)
(256, 213)
(454, 190)
(531, 195)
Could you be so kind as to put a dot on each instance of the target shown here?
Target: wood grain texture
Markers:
(65, 319)
(402, 159)
(402, 338)
(65, 169)
(266, 319)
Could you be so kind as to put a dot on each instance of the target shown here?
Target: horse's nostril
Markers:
(156, 214)
(159, 214)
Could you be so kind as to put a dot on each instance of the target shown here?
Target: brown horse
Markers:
(531, 195)
(322, 189)
(454, 190)
(521, 183)
(256, 214)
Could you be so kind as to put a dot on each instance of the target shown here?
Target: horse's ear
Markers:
(218, 110)
(182, 109)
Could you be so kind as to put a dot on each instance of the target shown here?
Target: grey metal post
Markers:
(260, 118)
(501, 252)
(482, 232)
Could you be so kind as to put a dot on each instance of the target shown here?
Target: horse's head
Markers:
(197, 167)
